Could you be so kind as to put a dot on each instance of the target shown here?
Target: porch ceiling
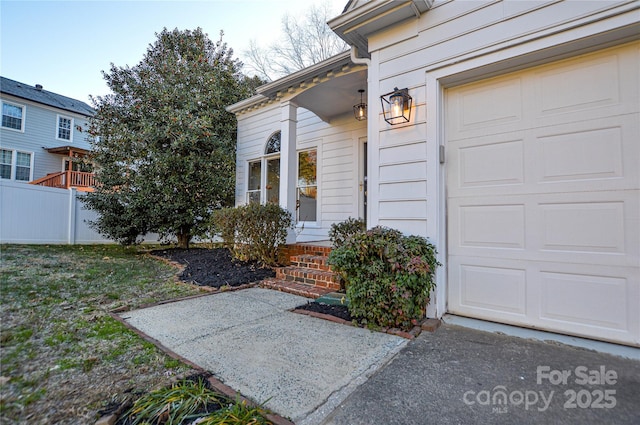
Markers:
(333, 97)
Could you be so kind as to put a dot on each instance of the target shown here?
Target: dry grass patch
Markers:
(63, 358)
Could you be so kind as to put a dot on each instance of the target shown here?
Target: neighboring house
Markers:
(519, 160)
(43, 135)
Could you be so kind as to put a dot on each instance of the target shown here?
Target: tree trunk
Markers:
(183, 240)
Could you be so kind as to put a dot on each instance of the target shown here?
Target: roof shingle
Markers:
(39, 95)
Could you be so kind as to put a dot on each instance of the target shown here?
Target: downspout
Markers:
(359, 61)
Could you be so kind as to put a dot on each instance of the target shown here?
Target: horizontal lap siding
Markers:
(40, 127)
(253, 131)
(338, 167)
(337, 145)
(401, 56)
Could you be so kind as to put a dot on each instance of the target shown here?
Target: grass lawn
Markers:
(63, 357)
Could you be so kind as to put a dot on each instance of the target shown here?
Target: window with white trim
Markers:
(6, 162)
(255, 176)
(12, 116)
(307, 191)
(265, 169)
(65, 126)
(16, 165)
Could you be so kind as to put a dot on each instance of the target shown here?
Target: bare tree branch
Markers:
(304, 42)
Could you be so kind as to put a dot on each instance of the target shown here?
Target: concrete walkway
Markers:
(249, 340)
(318, 372)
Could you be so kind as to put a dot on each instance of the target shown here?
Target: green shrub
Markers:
(388, 276)
(254, 231)
(340, 232)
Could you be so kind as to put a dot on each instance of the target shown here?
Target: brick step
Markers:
(296, 288)
(293, 250)
(308, 261)
(324, 279)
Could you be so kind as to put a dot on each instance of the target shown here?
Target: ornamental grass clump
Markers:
(388, 276)
(184, 401)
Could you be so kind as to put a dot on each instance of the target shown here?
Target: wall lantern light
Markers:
(360, 110)
(396, 106)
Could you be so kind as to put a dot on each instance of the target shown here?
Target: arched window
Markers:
(264, 173)
(273, 144)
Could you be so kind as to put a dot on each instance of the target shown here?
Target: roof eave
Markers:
(299, 77)
(270, 91)
(355, 25)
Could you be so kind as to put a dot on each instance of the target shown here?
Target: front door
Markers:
(362, 190)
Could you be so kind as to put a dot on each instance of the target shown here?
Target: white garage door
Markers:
(543, 194)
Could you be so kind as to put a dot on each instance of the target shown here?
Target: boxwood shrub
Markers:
(253, 231)
(388, 276)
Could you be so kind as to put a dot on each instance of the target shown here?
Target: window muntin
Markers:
(23, 166)
(65, 124)
(6, 160)
(307, 191)
(273, 144)
(12, 116)
(253, 186)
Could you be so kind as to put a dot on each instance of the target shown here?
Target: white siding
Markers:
(337, 146)
(449, 33)
(40, 132)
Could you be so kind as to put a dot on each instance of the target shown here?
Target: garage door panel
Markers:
(478, 281)
(492, 226)
(585, 88)
(561, 87)
(588, 154)
(474, 160)
(591, 155)
(543, 202)
(602, 302)
(595, 227)
(583, 227)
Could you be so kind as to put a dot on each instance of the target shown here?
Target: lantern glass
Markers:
(396, 106)
(360, 110)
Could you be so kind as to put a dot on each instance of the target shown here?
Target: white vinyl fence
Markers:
(32, 214)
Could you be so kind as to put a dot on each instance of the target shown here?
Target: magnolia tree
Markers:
(163, 143)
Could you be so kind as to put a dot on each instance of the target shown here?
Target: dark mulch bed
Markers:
(340, 311)
(215, 267)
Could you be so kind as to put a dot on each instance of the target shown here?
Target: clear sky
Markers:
(64, 45)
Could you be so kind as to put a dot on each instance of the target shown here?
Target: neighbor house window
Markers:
(12, 116)
(65, 124)
(23, 166)
(15, 165)
(253, 188)
(6, 160)
(307, 185)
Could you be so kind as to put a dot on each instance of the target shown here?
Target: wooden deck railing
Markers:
(84, 182)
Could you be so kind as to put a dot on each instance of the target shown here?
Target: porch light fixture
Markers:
(396, 106)
(360, 110)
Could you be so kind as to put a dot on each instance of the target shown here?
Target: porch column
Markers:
(288, 160)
